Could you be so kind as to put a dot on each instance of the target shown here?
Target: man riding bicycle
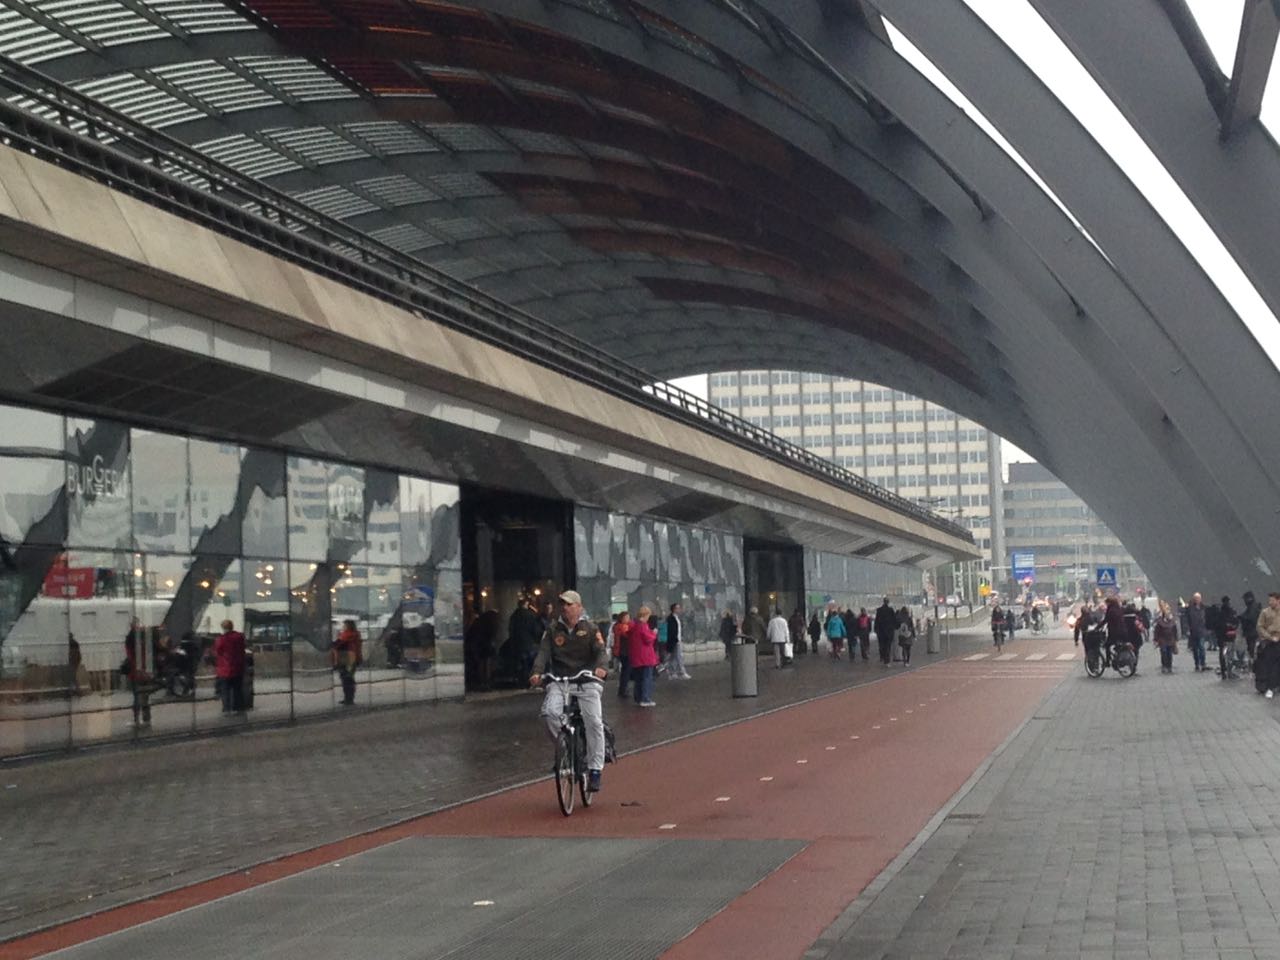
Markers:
(571, 644)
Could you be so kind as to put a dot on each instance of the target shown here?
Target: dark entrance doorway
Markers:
(517, 553)
(775, 577)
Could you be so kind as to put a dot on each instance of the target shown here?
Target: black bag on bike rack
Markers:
(610, 746)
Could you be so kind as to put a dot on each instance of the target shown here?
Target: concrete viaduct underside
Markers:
(717, 184)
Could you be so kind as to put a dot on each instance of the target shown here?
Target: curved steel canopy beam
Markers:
(1203, 341)
(1112, 392)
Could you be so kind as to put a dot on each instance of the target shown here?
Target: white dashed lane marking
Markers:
(1006, 656)
(1036, 656)
(977, 656)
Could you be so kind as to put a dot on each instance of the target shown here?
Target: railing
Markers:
(64, 127)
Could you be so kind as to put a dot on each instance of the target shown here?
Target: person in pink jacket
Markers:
(642, 656)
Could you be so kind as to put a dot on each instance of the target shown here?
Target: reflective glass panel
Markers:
(161, 516)
(33, 477)
(308, 509)
(311, 592)
(383, 641)
(382, 511)
(268, 630)
(100, 612)
(346, 510)
(266, 518)
(41, 675)
(215, 483)
(97, 469)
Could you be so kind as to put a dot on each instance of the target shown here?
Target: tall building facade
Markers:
(915, 448)
(1066, 540)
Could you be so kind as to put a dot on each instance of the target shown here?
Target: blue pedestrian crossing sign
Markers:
(1106, 576)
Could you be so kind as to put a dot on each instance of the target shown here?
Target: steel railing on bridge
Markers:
(67, 128)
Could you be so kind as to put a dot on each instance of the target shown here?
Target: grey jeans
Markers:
(588, 694)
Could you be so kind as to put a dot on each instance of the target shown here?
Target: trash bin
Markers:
(933, 638)
(742, 667)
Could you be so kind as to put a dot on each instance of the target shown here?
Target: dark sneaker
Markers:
(593, 781)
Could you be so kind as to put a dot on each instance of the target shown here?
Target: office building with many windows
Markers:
(1065, 540)
(905, 444)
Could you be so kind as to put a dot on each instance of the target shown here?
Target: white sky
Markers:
(1032, 40)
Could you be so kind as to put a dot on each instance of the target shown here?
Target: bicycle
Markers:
(1039, 625)
(571, 744)
(1121, 657)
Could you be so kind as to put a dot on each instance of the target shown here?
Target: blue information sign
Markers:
(1106, 577)
(1024, 566)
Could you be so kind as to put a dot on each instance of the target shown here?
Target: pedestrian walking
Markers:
(1164, 634)
(815, 632)
(229, 657)
(675, 644)
(642, 656)
(753, 626)
(1195, 617)
(347, 656)
(728, 631)
(906, 634)
(1266, 666)
(1249, 624)
(864, 634)
(835, 632)
(1226, 627)
(780, 636)
(621, 652)
(886, 624)
(135, 670)
(796, 626)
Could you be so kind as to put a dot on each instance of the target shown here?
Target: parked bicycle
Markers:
(571, 745)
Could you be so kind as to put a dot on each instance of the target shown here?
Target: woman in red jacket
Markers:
(620, 651)
(228, 656)
(346, 657)
(642, 656)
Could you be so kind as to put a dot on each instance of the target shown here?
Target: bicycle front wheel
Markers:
(1093, 664)
(587, 795)
(566, 771)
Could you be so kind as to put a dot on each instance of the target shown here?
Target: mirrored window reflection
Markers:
(99, 510)
(215, 482)
(382, 512)
(40, 674)
(350, 603)
(383, 640)
(446, 520)
(266, 520)
(420, 654)
(448, 631)
(415, 520)
(33, 477)
(267, 629)
(308, 509)
(161, 514)
(100, 592)
(346, 510)
(311, 592)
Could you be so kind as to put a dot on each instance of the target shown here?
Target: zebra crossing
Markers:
(1010, 657)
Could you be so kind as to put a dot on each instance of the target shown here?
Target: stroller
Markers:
(176, 672)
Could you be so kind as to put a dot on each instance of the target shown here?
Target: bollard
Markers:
(933, 637)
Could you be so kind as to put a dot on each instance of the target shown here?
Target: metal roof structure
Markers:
(716, 184)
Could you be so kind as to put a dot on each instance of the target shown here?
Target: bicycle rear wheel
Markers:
(587, 795)
(1126, 664)
(566, 771)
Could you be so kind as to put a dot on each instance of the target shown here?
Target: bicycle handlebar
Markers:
(576, 678)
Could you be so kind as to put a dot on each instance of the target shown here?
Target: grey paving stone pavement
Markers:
(88, 831)
(1127, 819)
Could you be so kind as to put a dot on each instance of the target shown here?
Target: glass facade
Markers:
(110, 532)
(856, 582)
(624, 561)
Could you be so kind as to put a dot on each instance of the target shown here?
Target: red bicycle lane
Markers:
(855, 776)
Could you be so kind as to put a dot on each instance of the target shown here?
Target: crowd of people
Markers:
(1245, 640)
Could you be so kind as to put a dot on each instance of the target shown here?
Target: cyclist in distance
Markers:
(999, 625)
(573, 643)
